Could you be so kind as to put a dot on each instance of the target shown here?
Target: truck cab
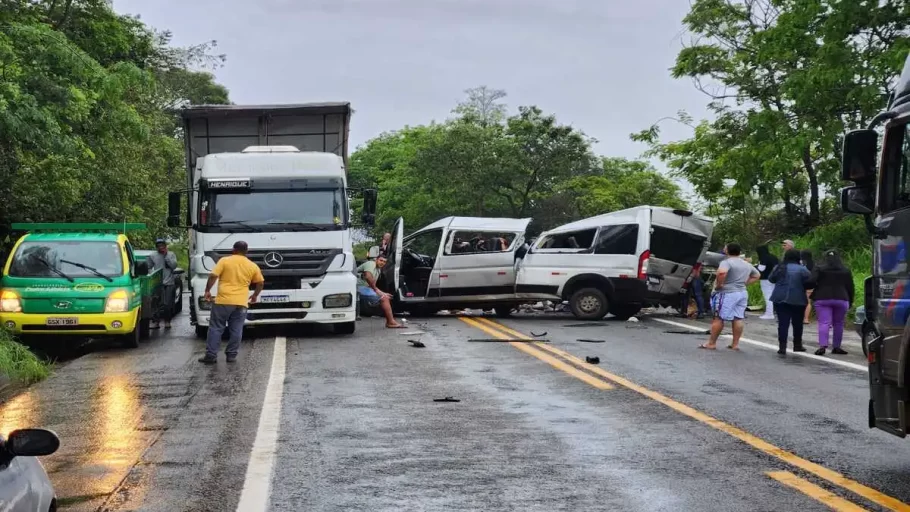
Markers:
(881, 194)
(78, 280)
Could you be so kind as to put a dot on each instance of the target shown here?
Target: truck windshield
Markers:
(320, 208)
(67, 259)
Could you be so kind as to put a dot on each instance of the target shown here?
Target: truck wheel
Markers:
(131, 340)
(589, 304)
(504, 311)
(202, 332)
(625, 311)
(344, 328)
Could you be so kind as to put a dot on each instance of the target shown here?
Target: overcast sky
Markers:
(600, 65)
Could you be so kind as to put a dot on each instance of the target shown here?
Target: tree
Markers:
(482, 106)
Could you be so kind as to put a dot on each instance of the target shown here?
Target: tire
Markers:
(344, 328)
(202, 332)
(131, 340)
(504, 311)
(589, 304)
(178, 303)
(145, 325)
(625, 311)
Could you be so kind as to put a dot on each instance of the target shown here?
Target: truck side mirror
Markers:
(174, 200)
(858, 199)
(370, 196)
(858, 159)
(142, 268)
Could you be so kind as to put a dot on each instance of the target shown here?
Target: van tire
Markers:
(589, 304)
(504, 311)
(131, 340)
(625, 311)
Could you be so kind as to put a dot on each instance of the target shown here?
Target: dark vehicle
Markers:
(881, 194)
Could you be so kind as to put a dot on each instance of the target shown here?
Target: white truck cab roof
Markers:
(287, 161)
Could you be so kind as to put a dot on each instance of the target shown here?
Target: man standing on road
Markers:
(730, 297)
(371, 294)
(166, 261)
(234, 275)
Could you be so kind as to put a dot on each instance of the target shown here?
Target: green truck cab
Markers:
(78, 280)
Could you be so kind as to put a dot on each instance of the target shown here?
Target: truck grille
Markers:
(280, 264)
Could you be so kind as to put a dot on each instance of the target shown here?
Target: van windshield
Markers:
(676, 246)
(50, 258)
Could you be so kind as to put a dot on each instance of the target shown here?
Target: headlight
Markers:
(117, 302)
(10, 302)
(204, 304)
(338, 300)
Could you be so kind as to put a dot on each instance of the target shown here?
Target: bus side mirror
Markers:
(858, 199)
(174, 200)
(858, 159)
(368, 217)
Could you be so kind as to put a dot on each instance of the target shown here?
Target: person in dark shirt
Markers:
(766, 264)
(833, 295)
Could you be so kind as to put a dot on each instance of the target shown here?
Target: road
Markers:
(311, 421)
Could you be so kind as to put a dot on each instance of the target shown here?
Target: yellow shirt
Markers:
(235, 274)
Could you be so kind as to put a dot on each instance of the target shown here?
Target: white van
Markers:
(454, 263)
(618, 262)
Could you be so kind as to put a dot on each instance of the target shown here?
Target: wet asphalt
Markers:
(151, 429)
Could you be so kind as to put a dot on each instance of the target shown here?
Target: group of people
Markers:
(790, 287)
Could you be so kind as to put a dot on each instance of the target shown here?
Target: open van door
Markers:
(678, 240)
(392, 270)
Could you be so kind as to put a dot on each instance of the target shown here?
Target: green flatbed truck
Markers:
(78, 280)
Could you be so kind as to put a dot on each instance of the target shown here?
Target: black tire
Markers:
(344, 328)
(202, 332)
(589, 304)
(145, 327)
(504, 311)
(178, 303)
(131, 340)
(625, 311)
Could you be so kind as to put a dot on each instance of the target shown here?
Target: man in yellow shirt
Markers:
(234, 274)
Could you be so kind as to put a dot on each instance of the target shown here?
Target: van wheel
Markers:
(344, 328)
(131, 340)
(504, 311)
(202, 332)
(625, 311)
(589, 304)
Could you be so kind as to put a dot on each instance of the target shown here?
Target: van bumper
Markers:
(88, 323)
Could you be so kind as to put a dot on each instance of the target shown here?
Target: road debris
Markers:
(700, 333)
(446, 399)
(416, 343)
(586, 340)
(592, 360)
(411, 333)
(509, 340)
(538, 335)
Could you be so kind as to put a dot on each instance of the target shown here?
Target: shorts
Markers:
(368, 295)
(730, 305)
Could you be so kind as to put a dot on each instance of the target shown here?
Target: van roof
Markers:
(480, 223)
(629, 215)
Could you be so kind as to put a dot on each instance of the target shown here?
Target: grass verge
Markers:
(18, 363)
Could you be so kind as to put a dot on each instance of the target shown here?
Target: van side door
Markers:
(478, 262)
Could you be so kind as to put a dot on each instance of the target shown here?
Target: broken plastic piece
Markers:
(416, 343)
(585, 340)
(592, 360)
(538, 335)
(519, 340)
(446, 399)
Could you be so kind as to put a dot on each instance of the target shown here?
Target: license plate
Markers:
(270, 299)
(62, 321)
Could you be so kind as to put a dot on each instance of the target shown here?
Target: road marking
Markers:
(829, 360)
(760, 444)
(552, 361)
(833, 501)
(256, 485)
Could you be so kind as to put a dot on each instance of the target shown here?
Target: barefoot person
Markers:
(371, 294)
(730, 297)
(234, 275)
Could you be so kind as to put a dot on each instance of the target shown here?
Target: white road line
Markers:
(255, 495)
(845, 364)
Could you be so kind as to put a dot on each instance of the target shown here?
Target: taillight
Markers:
(643, 264)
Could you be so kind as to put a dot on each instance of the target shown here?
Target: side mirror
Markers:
(370, 196)
(373, 253)
(142, 268)
(32, 442)
(179, 271)
(858, 199)
(174, 200)
(858, 159)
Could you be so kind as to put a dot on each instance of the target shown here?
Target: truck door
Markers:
(480, 261)
(390, 274)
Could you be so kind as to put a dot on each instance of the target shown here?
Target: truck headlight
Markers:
(10, 302)
(117, 302)
(204, 304)
(337, 300)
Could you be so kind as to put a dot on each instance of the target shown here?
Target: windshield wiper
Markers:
(308, 225)
(83, 266)
(54, 269)
(237, 222)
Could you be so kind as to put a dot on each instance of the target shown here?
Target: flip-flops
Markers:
(707, 347)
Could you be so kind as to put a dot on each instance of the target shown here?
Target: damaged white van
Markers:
(616, 263)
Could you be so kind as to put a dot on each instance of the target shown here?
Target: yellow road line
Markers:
(833, 501)
(760, 444)
(552, 361)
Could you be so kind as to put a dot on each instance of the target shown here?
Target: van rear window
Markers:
(676, 246)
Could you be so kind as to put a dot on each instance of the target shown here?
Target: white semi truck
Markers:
(274, 177)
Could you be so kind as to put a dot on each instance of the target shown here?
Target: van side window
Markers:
(581, 239)
(474, 242)
(620, 239)
(426, 243)
(676, 246)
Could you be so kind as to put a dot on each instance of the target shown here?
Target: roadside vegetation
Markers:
(18, 363)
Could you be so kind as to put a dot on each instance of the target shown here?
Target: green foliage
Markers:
(486, 163)
(85, 130)
(18, 363)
